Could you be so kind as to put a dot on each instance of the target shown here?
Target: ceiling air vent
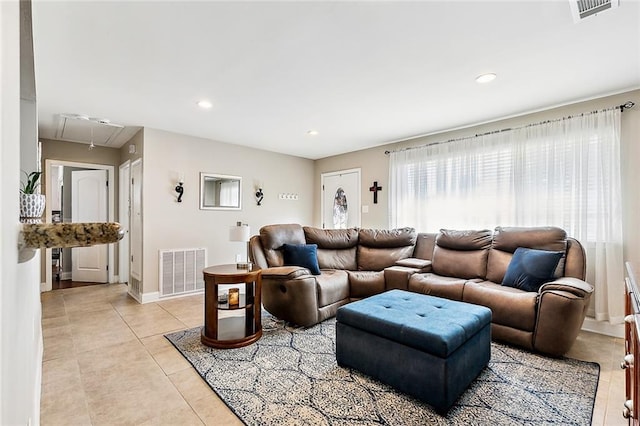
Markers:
(80, 128)
(581, 9)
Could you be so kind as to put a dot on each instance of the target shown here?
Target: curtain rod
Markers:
(622, 107)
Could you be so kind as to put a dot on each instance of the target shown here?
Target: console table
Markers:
(231, 330)
(632, 344)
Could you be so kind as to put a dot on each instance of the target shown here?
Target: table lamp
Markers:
(241, 232)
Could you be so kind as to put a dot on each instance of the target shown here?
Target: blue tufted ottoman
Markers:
(425, 346)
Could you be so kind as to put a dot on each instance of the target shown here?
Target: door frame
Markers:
(358, 171)
(47, 285)
(136, 228)
(124, 217)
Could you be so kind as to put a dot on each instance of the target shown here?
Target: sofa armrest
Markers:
(559, 320)
(290, 293)
(285, 272)
(571, 285)
(422, 265)
(562, 306)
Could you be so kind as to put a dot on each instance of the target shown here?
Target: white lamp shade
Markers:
(239, 233)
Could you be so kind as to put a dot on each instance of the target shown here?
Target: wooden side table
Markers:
(232, 331)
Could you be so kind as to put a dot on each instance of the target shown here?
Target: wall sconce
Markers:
(259, 196)
(241, 232)
(180, 188)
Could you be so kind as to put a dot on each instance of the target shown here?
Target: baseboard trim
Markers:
(191, 293)
(149, 297)
(603, 327)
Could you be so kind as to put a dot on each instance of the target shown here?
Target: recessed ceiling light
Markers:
(312, 132)
(485, 78)
(205, 104)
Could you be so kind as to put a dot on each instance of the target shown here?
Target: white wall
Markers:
(20, 329)
(168, 224)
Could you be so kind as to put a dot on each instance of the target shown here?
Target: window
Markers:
(563, 173)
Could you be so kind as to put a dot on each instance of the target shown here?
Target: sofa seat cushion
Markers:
(365, 283)
(437, 285)
(333, 286)
(510, 306)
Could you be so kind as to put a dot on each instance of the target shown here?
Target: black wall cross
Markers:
(375, 188)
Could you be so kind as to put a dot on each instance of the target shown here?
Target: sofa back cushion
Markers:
(425, 242)
(461, 254)
(273, 237)
(336, 247)
(381, 248)
(507, 239)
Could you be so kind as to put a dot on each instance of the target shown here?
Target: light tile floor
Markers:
(106, 362)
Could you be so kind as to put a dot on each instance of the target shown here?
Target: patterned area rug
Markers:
(290, 377)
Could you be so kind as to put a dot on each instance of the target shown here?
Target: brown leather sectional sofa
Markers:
(460, 265)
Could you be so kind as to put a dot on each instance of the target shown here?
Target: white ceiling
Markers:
(360, 73)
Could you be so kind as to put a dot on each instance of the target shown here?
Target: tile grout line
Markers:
(154, 358)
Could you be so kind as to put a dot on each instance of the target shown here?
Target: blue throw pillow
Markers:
(530, 268)
(304, 255)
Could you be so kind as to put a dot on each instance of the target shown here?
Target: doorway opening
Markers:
(82, 202)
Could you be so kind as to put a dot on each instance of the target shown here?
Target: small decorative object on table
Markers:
(223, 297)
(234, 296)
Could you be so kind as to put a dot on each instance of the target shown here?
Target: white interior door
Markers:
(89, 204)
(136, 220)
(341, 199)
(123, 218)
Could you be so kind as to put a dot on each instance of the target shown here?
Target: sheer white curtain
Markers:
(564, 173)
(229, 191)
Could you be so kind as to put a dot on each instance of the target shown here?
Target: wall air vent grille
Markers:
(135, 289)
(181, 271)
(582, 9)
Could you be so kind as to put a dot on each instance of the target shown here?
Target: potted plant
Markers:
(31, 203)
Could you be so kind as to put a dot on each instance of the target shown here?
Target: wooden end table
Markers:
(232, 331)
